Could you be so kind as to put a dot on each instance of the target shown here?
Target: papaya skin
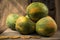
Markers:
(11, 20)
(36, 11)
(46, 26)
(24, 25)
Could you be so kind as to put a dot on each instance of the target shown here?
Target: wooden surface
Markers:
(13, 35)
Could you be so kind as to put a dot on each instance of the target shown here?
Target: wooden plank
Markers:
(57, 2)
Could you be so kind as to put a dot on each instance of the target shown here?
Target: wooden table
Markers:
(14, 35)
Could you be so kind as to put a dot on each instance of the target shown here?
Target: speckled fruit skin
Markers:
(46, 26)
(36, 10)
(24, 25)
(11, 20)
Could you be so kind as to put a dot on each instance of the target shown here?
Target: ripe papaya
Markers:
(24, 25)
(36, 11)
(46, 26)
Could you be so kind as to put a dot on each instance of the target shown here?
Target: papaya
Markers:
(11, 20)
(24, 25)
(36, 11)
(46, 26)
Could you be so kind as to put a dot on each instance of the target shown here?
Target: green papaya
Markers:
(46, 26)
(11, 20)
(24, 25)
(36, 11)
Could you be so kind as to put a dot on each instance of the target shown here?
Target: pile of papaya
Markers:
(36, 20)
